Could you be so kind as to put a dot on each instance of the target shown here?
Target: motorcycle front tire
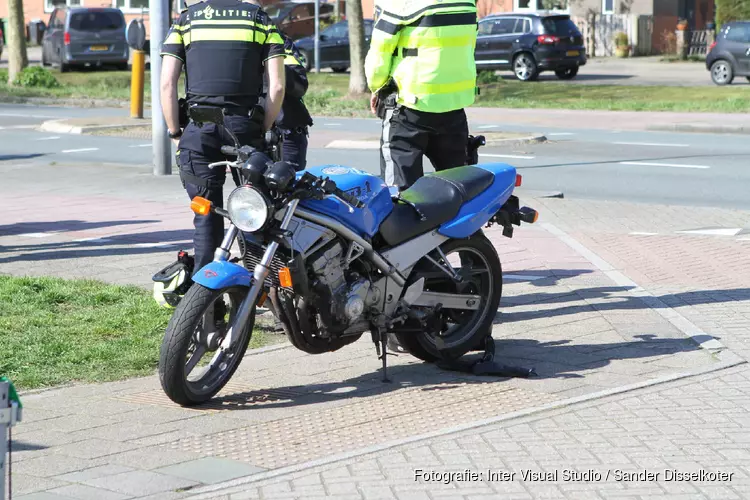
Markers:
(179, 336)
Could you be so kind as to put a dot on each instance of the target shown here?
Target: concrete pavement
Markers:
(603, 298)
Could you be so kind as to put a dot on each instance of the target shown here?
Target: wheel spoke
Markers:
(194, 359)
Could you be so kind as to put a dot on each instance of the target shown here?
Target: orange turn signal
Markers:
(536, 216)
(285, 277)
(200, 206)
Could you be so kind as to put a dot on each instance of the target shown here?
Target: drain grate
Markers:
(364, 422)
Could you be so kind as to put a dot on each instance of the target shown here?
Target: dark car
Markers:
(729, 55)
(83, 36)
(333, 45)
(529, 44)
(297, 19)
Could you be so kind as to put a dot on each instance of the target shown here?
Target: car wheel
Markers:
(721, 72)
(525, 68)
(64, 68)
(339, 69)
(567, 73)
(44, 59)
(748, 78)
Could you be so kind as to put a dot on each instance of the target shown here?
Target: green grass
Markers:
(328, 94)
(55, 331)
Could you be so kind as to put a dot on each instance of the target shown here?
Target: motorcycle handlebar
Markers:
(229, 150)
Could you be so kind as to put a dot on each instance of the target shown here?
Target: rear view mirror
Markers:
(207, 114)
(323, 37)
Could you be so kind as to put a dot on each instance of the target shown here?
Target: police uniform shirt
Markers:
(224, 45)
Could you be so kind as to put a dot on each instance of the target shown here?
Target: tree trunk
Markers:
(357, 79)
(16, 37)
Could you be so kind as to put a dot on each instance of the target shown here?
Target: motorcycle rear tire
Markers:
(418, 344)
(178, 338)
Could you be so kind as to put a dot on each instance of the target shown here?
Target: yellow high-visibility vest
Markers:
(427, 47)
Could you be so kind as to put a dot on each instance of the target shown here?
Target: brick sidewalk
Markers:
(584, 334)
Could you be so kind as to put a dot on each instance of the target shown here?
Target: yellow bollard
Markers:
(136, 84)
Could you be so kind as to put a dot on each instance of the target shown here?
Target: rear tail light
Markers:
(712, 46)
(518, 180)
(547, 39)
(66, 38)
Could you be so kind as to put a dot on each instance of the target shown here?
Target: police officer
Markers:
(294, 119)
(225, 46)
(424, 51)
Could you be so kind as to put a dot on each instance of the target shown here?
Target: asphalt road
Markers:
(652, 167)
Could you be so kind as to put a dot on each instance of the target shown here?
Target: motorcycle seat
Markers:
(438, 197)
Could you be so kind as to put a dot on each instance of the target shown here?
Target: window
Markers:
(97, 21)
(485, 27)
(504, 26)
(608, 6)
(738, 33)
(338, 30)
(49, 5)
(562, 6)
(131, 5)
(56, 20)
(560, 26)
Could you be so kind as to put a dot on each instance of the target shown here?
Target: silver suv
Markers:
(84, 36)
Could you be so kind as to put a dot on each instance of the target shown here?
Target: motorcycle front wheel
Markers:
(198, 325)
(459, 331)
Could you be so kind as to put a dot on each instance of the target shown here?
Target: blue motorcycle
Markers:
(335, 253)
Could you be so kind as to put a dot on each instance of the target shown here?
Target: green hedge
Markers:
(732, 10)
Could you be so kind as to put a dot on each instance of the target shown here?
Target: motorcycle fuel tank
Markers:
(370, 189)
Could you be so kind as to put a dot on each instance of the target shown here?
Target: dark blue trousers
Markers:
(294, 147)
(200, 146)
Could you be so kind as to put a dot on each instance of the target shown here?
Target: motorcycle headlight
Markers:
(248, 209)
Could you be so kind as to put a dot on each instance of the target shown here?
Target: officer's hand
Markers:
(374, 103)
(176, 142)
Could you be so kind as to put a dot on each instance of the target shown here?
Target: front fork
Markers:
(258, 278)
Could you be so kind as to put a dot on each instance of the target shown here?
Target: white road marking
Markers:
(12, 127)
(36, 235)
(723, 231)
(523, 277)
(562, 133)
(653, 144)
(51, 138)
(79, 150)
(331, 124)
(152, 245)
(141, 146)
(641, 233)
(673, 165)
(18, 115)
(92, 240)
(485, 127)
(516, 157)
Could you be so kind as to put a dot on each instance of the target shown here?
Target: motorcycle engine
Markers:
(341, 294)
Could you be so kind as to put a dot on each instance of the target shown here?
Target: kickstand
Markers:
(380, 348)
(487, 364)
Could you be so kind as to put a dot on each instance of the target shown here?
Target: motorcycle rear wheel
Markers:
(480, 266)
(181, 343)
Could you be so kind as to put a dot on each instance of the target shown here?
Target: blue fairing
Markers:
(217, 275)
(371, 190)
(475, 213)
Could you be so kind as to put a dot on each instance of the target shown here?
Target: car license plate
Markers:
(99, 48)
(572, 53)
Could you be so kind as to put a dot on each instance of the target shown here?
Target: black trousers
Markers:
(294, 146)
(408, 135)
(200, 146)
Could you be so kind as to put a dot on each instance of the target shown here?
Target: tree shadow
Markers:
(21, 157)
(541, 277)
(162, 240)
(618, 303)
(551, 360)
(66, 226)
